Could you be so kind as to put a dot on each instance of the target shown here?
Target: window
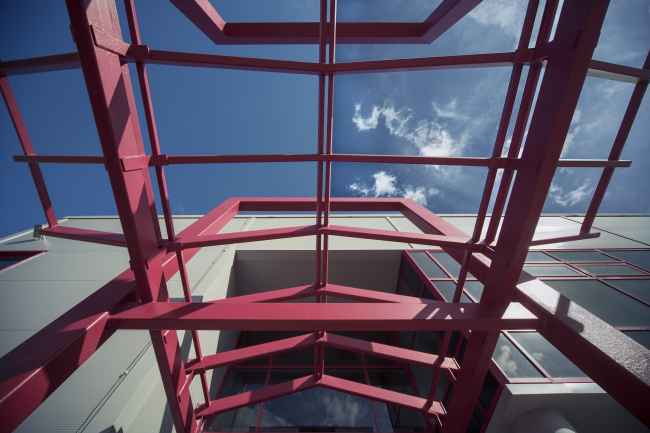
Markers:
(546, 355)
(9, 259)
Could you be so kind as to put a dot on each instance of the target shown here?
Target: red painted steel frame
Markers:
(138, 298)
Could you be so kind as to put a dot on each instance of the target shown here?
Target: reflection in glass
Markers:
(547, 271)
(317, 408)
(449, 263)
(512, 362)
(448, 288)
(402, 289)
(427, 341)
(245, 418)
(334, 356)
(428, 266)
(296, 357)
(404, 338)
(605, 271)
(638, 258)
(398, 419)
(547, 356)
(474, 288)
(393, 379)
(423, 377)
(582, 256)
(243, 380)
(638, 288)
(538, 256)
(412, 279)
(610, 305)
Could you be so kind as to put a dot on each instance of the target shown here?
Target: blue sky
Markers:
(209, 111)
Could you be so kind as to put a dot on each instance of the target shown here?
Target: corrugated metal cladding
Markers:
(69, 407)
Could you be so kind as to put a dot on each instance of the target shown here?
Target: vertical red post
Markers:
(580, 21)
(112, 102)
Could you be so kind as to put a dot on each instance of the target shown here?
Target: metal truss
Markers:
(138, 298)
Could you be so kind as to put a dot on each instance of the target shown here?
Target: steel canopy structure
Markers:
(138, 298)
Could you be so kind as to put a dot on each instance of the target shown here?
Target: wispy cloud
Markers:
(505, 14)
(385, 185)
(572, 133)
(557, 194)
(449, 110)
(431, 138)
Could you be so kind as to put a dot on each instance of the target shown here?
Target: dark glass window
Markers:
(350, 374)
(377, 337)
(538, 256)
(423, 377)
(334, 356)
(641, 337)
(581, 256)
(402, 289)
(244, 418)
(316, 409)
(638, 258)
(398, 419)
(548, 271)
(412, 279)
(449, 263)
(392, 379)
(10, 258)
(243, 380)
(474, 288)
(488, 390)
(446, 289)
(428, 266)
(427, 341)
(605, 271)
(5, 262)
(612, 306)
(253, 338)
(547, 356)
(512, 362)
(404, 338)
(295, 357)
(638, 288)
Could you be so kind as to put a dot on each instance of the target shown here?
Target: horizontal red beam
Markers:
(389, 352)
(83, 235)
(612, 71)
(383, 395)
(60, 159)
(593, 163)
(364, 295)
(280, 295)
(58, 62)
(329, 317)
(236, 356)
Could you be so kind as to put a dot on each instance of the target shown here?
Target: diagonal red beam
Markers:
(383, 395)
(28, 149)
(83, 235)
(323, 316)
(281, 295)
(204, 16)
(248, 353)
(389, 352)
(448, 13)
(564, 236)
(256, 396)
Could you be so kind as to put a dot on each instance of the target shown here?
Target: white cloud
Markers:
(570, 198)
(572, 133)
(429, 137)
(508, 365)
(506, 14)
(448, 110)
(386, 185)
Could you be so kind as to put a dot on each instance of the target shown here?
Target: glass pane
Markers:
(238, 420)
(376, 361)
(551, 360)
(382, 337)
(316, 409)
(295, 357)
(423, 377)
(446, 289)
(335, 356)
(448, 262)
(513, 363)
(581, 256)
(638, 288)
(638, 258)
(411, 277)
(547, 271)
(604, 271)
(353, 375)
(402, 289)
(610, 305)
(253, 338)
(428, 295)
(243, 380)
(474, 288)
(427, 341)
(5, 262)
(404, 338)
(538, 256)
(428, 266)
(641, 337)
(393, 379)
(488, 390)
(398, 419)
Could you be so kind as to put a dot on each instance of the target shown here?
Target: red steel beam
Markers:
(560, 89)
(383, 395)
(617, 149)
(254, 352)
(324, 316)
(562, 237)
(611, 71)
(388, 352)
(113, 105)
(448, 13)
(363, 295)
(83, 235)
(28, 149)
(57, 62)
